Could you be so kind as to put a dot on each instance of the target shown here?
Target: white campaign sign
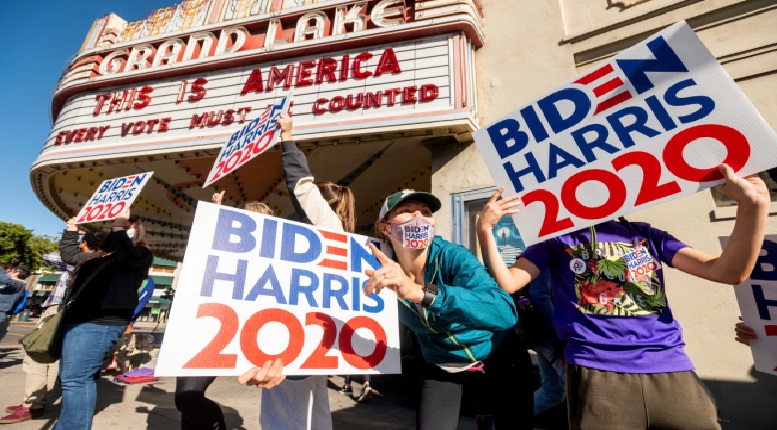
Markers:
(255, 288)
(757, 298)
(648, 126)
(111, 197)
(253, 139)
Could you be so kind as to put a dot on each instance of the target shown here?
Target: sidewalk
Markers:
(152, 406)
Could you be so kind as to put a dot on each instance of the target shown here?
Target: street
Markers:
(152, 406)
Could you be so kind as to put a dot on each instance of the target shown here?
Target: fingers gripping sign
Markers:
(217, 198)
(268, 376)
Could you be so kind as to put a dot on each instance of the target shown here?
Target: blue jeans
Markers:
(84, 347)
(552, 389)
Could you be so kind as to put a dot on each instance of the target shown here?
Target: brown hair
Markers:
(341, 200)
(259, 207)
(140, 233)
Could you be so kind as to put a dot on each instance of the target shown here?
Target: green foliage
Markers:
(19, 245)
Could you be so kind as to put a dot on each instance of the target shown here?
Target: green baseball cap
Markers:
(393, 200)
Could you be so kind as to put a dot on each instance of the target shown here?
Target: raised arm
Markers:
(741, 252)
(523, 271)
(69, 250)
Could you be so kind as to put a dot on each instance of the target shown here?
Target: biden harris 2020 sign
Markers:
(255, 288)
(647, 126)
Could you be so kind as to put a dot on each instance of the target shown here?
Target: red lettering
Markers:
(344, 68)
(139, 127)
(101, 99)
(408, 95)
(254, 83)
(373, 100)
(304, 72)
(388, 63)
(326, 69)
(429, 92)
(358, 73)
(144, 97)
(736, 144)
(198, 90)
(336, 104)
(164, 124)
(615, 200)
(125, 128)
(317, 109)
(277, 77)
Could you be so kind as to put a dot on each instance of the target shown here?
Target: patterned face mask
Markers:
(416, 233)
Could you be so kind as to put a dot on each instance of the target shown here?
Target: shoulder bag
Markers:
(44, 343)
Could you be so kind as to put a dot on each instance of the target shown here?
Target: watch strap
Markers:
(430, 294)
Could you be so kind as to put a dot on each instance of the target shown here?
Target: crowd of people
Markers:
(617, 360)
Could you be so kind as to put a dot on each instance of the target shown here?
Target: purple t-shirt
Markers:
(609, 300)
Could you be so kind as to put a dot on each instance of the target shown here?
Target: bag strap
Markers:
(83, 286)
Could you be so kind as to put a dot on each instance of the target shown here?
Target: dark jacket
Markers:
(69, 251)
(110, 297)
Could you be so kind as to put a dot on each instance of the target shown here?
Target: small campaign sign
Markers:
(647, 126)
(255, 288)
(111, 197)
(757, 298)
(253, 139)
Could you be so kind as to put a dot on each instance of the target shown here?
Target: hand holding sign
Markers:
(122, 219)
(285, 122)
(744, 333)
(743, 190)
(268, 376)
(217, 198)
(392, 276)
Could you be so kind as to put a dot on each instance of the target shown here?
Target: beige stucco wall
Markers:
(533, 46)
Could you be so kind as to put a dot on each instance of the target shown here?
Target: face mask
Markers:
(416, 233)
(131, 233)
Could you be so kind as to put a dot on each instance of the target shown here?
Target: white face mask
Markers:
(416, 233)
(131, 233)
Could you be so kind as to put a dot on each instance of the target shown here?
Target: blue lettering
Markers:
(361, 254)
(599, 141)
(765, 265)
(274, 289)
(762, 304)
(549, 108)
(234, 224)
(535, 125)
(504, 132)
(298, 288)
(556, 164)
(269, 229)
(706, 104)
(666, 61)
(533, 168)
(331, 292)
(211, 276)
(660, 113)
(623, 131)
(289, 237)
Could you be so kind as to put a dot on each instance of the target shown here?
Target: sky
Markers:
(39, 41)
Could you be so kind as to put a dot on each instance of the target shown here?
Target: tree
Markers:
(19, 245)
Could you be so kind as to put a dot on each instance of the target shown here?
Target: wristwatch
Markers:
(430, 293)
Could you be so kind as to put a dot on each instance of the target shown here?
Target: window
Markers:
(466, 209)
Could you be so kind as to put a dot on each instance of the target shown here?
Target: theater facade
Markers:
(387, 94)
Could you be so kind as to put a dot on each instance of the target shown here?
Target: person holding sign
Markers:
(744, 333)
(626, 367)
(197, 411)
(303, 403)
(462, 319)
(99, 315)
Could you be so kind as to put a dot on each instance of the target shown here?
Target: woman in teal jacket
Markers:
(462, 319)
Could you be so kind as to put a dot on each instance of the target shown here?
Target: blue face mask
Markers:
(131, 233)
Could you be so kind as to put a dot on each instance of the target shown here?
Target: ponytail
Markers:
(340, 199)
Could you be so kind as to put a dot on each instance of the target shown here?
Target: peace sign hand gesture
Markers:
(391, 276)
